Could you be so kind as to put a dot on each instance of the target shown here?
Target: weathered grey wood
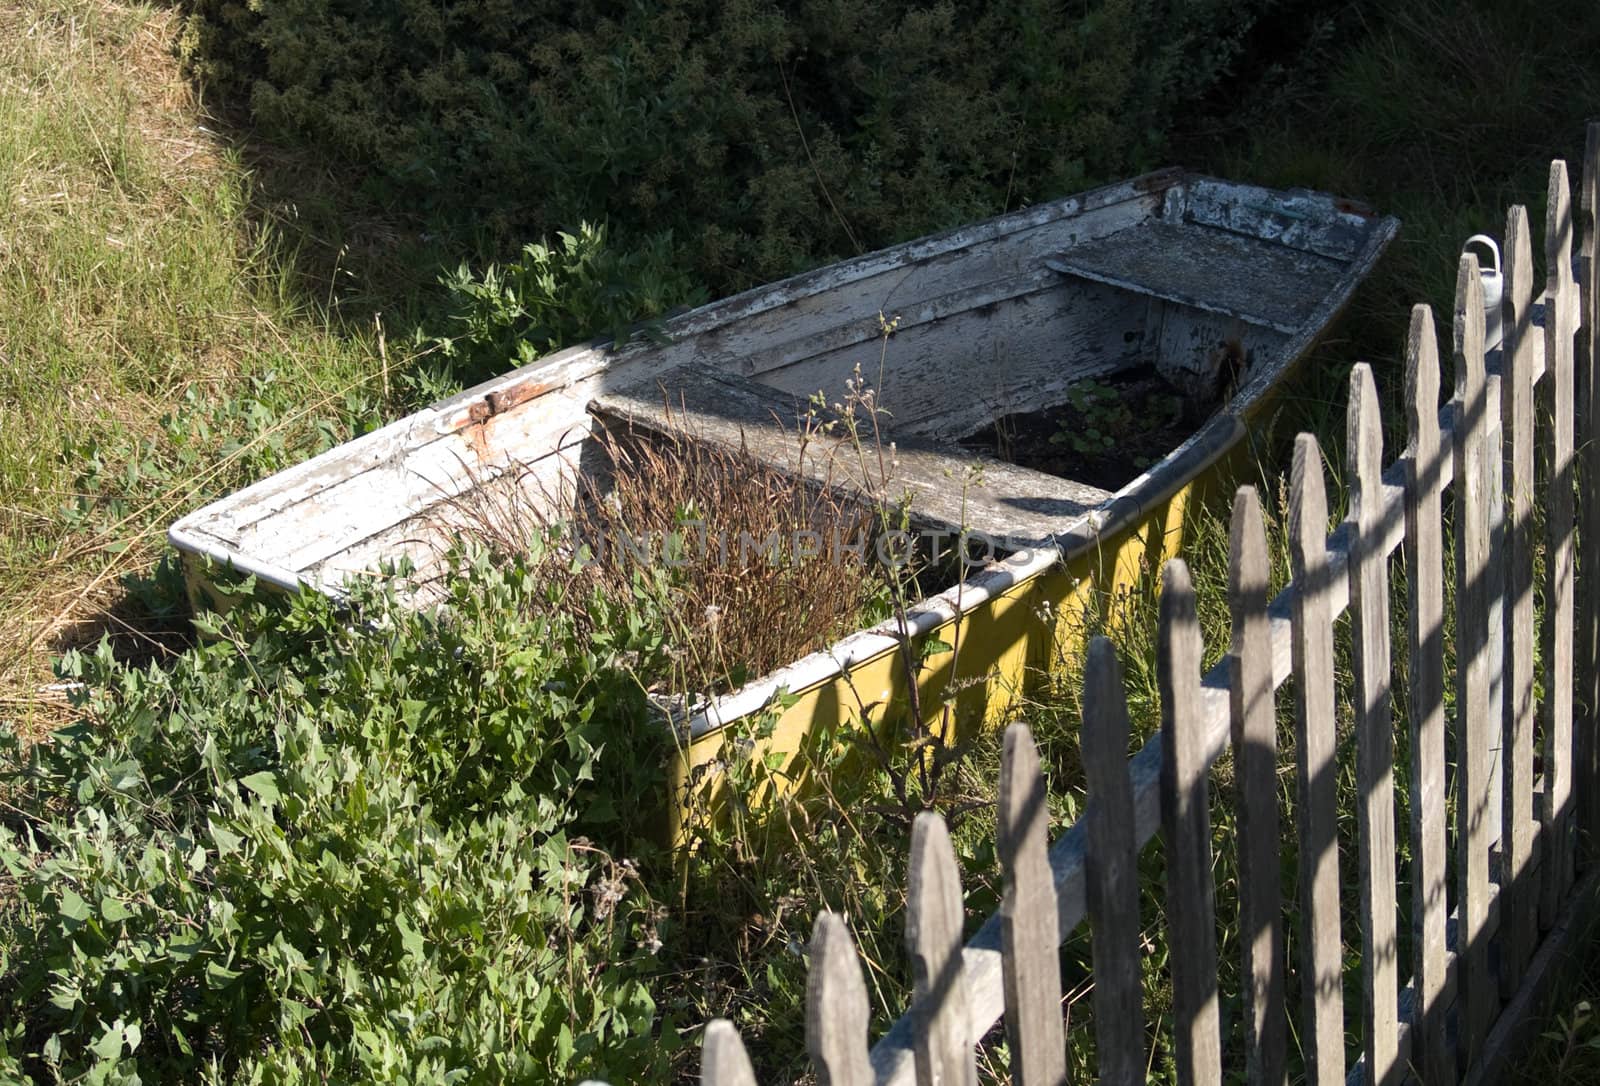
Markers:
(723, 1061)
(1321, 967)
(1111, 871)
(1562, 948)
(1029, 939)
(1036, 335)
(1430, 908)
(1587, 728)
(836, 1007)
(1255, 751)
(1520, 921)
(1186, 830)
(1561, 316)
(1254, 280)
(718, 408)
(1475, 713)
(1369, 615)
(1298, 219)
(945, 1043)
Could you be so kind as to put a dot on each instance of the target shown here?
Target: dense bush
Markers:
(340, 843)
(552, 296)
(767, 136)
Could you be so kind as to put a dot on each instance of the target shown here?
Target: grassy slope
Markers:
(130, 280)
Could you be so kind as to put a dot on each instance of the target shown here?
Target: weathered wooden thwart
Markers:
(1484, 945)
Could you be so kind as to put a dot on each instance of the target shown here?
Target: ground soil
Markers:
(1105, 436)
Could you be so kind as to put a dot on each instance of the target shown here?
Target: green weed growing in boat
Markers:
(1107, 419)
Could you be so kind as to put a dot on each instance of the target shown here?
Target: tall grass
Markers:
(151, 356)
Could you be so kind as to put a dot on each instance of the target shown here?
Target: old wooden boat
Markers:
(1216, 288)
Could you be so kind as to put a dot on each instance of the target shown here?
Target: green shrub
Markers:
(766, 136)
(342, 842)
(555, 296)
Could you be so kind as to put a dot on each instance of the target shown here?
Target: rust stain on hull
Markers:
(474, 426)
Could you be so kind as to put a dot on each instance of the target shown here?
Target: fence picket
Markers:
(1519, 914)
(836, 1007)
(1425, 565)
(1588, 381)
(1495, 603)
(1111, 864)
(1029, 939)
(1369, 623)
(1316, 772)
(723, 1061)
(944, 1042)
(1475, 710)
(1186, 830)
(1255, 744)
(1560, 324)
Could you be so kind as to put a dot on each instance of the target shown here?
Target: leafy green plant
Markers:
(556, 295)
(1106, 416)
(342, 841)
(1110, 422)
(767, 137)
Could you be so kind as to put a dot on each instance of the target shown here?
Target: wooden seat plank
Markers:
(950, 488)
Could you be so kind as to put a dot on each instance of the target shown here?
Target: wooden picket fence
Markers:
(1487, 939)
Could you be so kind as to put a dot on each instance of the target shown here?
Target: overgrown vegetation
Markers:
(766, 137)
(375, 844)
(555, 295)
(149, 358)
(751, 567)
(347, 844)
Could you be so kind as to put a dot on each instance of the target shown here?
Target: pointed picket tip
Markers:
(1105, 707)
(933, 858)
(1178, 651)
(1308, 508)
(1022, 793)
(1422, 372)
(723, 1061)
(1177, 594)
(1518, 255)
(1247, 544)
(1560, 286)
(1468, 328)
(1364, 438)
(836, 1007)
(1558, 222)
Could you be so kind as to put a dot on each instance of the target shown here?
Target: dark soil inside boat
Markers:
(1108, 432)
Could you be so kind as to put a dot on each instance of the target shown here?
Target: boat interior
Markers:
(1210, 285)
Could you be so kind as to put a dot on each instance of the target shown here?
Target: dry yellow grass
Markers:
(153, 353)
